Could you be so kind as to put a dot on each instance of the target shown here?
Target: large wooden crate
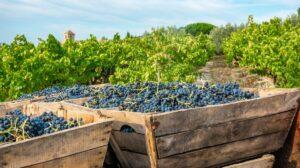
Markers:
(203, 137)
(83, 146)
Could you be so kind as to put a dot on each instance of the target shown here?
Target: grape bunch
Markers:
(16, 126)
(109, 96)
(44, 92)
(162, 97)
(57, 93)
(74, 92)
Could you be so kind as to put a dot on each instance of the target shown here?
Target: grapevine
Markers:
(160, 55)
(270, 48)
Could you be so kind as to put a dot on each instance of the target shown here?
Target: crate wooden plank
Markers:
(56, 145)
(91, 158)
(222, 133)
(190, 119)
(266, 161)
(137, 160)
(8, 106)
(78, 101)
(130, 141)
(119, 154)
(132, 119)
(150, 143)
(225, 153)
(61, 110)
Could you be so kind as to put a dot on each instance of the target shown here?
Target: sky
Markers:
(38, 18)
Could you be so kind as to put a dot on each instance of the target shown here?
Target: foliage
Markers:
(219, 34)
(196, 29)
(270, 48)
(160, 55)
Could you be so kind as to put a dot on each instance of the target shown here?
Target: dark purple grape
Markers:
(161, 97)
(24, 126)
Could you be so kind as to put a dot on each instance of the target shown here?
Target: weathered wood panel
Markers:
(266, 161)
(130, 141)
(119, 154)
(222, 133)
(132, 119)
(150, 143)
(292, 145)
(184, 120)
(137, 160)
(8, 106)
(78, 101)
(61, 110)
(92, 158)
(225, 153)
(56, 145)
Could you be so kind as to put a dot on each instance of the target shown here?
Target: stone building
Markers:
(69, 35)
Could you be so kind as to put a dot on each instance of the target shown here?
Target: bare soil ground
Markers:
(218, 71)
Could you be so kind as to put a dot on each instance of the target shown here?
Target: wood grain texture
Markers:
(190, 119)
(266, 161)
(295, 142)
(62, 110)
(130, 141)
(89, 159)
(150, 142)
(9, 106)
(229, 152)
(222, 133)
(121, 118)
(137, 160)
(44, 148)
(56, 145)
(119, 154)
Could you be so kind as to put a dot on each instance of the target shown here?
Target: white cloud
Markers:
(109, 16)
(281, 14)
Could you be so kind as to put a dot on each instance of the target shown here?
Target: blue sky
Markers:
(38, 18)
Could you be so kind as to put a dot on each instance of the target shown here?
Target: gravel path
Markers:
(217, 71)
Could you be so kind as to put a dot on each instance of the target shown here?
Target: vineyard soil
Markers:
(218, 71)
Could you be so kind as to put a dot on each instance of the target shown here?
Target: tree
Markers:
(197, 28)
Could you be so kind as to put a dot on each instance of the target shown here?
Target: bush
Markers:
(197, 28)
(271, 48)
(161, 55)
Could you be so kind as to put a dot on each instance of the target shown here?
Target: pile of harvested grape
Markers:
(109, 96)
(16, 126)
(56, 93)
(45, 92)
(162, 97)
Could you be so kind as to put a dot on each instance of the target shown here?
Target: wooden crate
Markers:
(206, 136)
(83, 146)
